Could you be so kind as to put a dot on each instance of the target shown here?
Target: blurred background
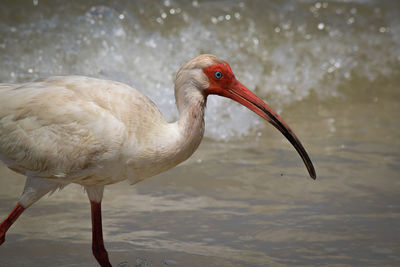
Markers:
(330, 68)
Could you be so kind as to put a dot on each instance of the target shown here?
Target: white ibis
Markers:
(94, 132)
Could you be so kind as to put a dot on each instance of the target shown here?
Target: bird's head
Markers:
(213, 76)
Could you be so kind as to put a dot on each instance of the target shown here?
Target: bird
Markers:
(93, 132)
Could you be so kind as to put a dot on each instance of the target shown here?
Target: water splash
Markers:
(283, 50)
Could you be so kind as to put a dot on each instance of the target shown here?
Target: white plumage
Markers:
(83, 130)
(94, 132)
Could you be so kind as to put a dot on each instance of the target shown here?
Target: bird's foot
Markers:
(2, 239)
(101, 255)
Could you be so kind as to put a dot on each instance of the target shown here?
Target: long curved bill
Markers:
(244, 96)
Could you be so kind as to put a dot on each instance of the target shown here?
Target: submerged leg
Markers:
(100, 253)
(11, 218)
(34, 189)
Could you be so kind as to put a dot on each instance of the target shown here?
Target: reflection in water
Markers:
(244, 198)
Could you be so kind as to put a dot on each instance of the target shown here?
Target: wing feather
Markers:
(63, 126)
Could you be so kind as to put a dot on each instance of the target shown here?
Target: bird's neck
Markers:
(170, 143)
(191, 121)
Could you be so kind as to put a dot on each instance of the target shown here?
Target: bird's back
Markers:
(72, 127)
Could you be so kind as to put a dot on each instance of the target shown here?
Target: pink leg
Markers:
(11, 218)
(99, 252)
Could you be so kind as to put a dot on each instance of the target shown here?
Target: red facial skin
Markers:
(228, 86)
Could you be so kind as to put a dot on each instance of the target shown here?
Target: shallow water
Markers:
(331, 68)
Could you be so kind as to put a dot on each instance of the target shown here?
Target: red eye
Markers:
(218, 74)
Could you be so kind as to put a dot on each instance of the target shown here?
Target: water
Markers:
(331, 68)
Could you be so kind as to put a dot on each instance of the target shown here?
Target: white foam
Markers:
(145, 49)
